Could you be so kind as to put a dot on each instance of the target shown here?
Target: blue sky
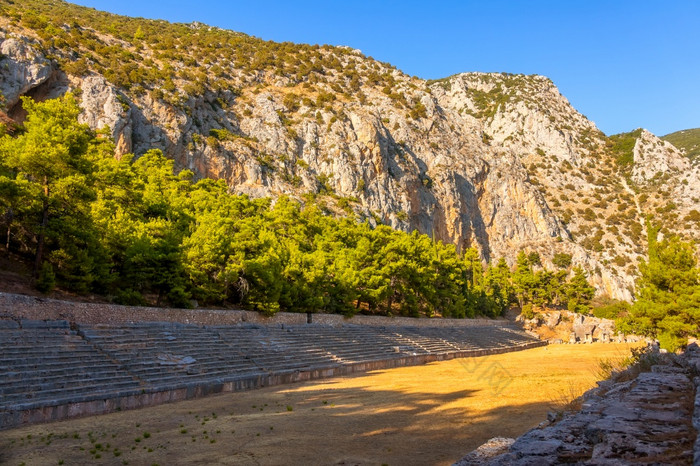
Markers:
(624, 64)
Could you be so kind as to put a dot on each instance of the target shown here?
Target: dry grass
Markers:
(567, 398)
(423, 415)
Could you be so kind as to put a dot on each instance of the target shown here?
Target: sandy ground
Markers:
(420, 415)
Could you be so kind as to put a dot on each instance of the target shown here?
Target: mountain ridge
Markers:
(501, 162)
(687, 141)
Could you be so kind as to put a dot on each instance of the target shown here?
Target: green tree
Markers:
(52, 153)
(18, 202)
(450, 283)
(562, 260)
(213, 258)
(143, 213)
(667, 305)
(524, 281)
(498, 287)
(534, 258)
(554, 284)
(579, 292)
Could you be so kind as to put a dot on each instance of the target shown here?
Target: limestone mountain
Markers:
(501, 162)
(687, 141)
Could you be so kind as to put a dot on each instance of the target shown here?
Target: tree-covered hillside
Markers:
(492, 162)
(138, 231)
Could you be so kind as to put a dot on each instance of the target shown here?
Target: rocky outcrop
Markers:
(104, 107)
(570, 327)
(654, 158)
(23, 68)
(651, 418)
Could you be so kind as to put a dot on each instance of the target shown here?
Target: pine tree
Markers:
(579, 292)
(523, 279)
(51, 161)
(498, 287)
(667, 303)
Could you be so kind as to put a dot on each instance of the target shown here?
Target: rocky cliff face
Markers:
(658, 165)
(654, 158)
(500, 162)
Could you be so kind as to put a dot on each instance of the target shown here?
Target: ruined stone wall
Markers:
(33, 308)
(653, 417)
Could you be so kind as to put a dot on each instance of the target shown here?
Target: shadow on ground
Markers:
(343, 421)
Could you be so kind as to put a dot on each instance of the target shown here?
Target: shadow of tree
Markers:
(405, 427)
(427, 415)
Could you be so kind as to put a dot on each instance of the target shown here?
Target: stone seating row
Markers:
(51, 363)
(48, 361)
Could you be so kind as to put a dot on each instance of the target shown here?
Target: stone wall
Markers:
(34, 308)
(652, 417)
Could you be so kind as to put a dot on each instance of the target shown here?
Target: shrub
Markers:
(562, 260)
(528, 312)
(612, 310)
(220, 134)
(47, 278)
(291, 102)
(324, 98)
(419, 111)
(130, 297)
(76, 68)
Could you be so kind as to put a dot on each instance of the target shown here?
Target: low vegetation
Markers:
(621, 146)
(176, 61)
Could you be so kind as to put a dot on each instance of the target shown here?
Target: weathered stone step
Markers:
(173, 381)
(65, 392)
(15, 377)
(47, 389)
(48, 364)
(51, 362)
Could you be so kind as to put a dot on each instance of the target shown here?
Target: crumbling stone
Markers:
(653, 418)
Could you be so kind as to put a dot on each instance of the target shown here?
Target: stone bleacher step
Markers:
(54, 364)
(143, 370)
(173, 381)
(24, 378)
(47, 364)
(68, 393)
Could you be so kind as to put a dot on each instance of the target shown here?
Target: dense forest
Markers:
(137, 232)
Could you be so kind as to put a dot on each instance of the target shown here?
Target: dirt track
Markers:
(419, 415)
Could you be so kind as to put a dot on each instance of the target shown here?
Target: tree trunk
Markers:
(10, 215)
(42, 230)
(390, 298)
